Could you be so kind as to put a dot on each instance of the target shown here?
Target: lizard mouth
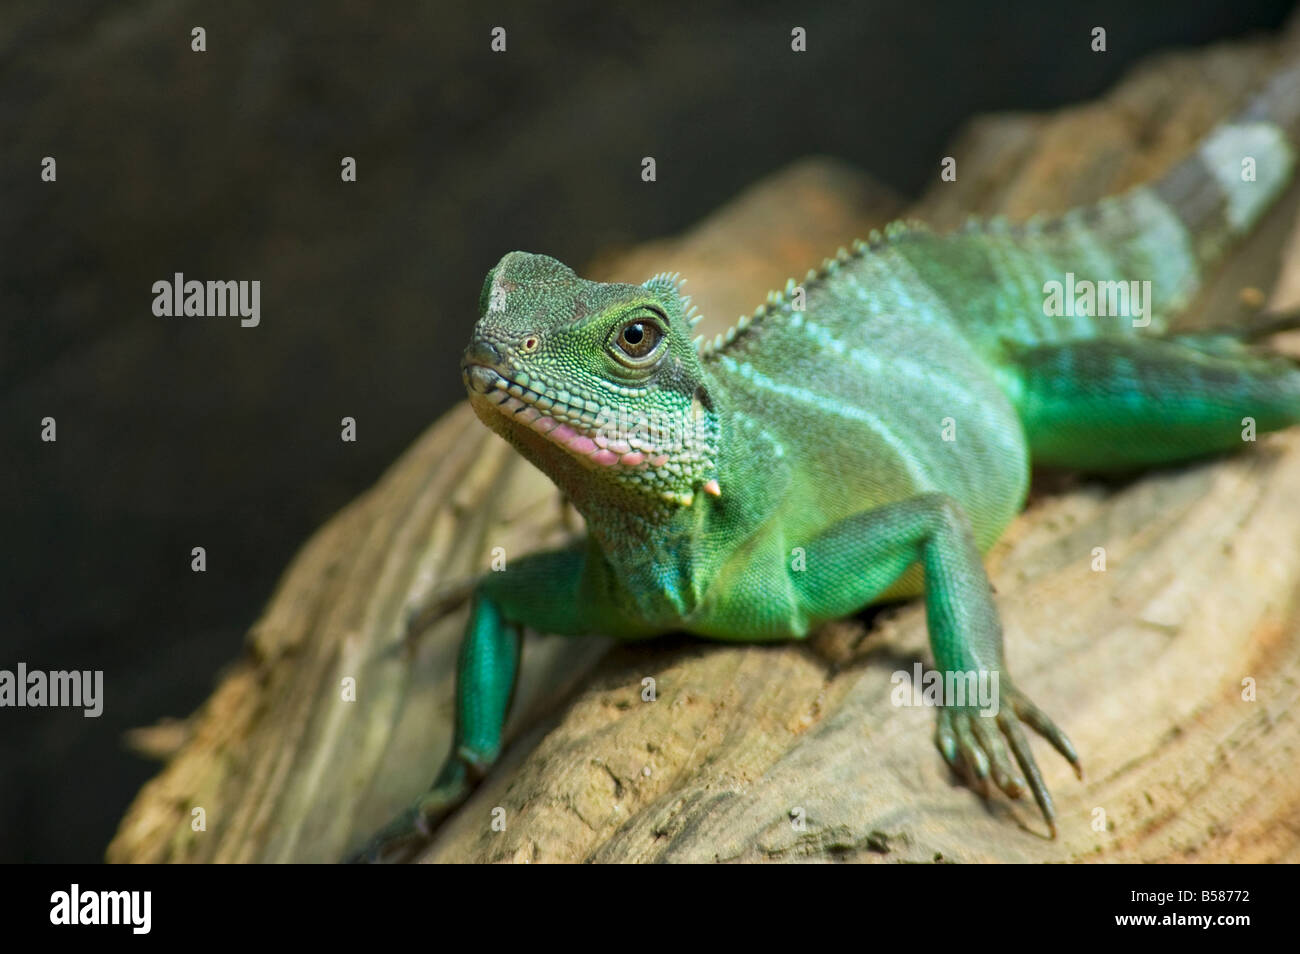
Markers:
(567, 424)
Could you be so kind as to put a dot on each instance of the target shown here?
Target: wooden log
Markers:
(794, 752)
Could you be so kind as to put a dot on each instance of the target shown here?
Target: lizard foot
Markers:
(975, 745)
(406, 836)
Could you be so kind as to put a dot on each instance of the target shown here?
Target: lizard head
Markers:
(598, 384)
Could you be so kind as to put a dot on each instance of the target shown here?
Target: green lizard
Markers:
(861, 437)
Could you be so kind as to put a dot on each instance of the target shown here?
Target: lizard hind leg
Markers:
(1124, 403)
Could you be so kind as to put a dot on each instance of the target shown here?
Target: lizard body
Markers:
(862, 436)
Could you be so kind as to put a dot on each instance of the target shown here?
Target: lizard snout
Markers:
(478, 366)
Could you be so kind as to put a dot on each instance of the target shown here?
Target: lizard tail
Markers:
(1243, 166)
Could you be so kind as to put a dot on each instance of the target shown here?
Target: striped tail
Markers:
(1240, 169)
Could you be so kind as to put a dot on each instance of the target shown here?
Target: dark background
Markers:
(175, 433)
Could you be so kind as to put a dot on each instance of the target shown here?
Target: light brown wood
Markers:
(1143, 664)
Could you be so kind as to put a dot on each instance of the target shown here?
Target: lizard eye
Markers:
(638, 339)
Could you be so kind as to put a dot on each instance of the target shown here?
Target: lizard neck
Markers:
(652, 546)
(670, 548)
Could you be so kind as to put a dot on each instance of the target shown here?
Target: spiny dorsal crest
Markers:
(671, 283)
(776, 299)
(665, 283)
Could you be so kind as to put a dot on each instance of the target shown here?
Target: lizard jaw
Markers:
(559, 424)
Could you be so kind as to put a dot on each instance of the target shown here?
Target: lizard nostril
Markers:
(482, 352)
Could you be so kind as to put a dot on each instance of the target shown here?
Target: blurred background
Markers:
(225, 165)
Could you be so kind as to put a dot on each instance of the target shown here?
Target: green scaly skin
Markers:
(861, 437)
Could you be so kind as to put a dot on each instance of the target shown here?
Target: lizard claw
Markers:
(976, 747)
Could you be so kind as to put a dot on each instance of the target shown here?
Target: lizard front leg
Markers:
(541, 591)
(857, 559)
